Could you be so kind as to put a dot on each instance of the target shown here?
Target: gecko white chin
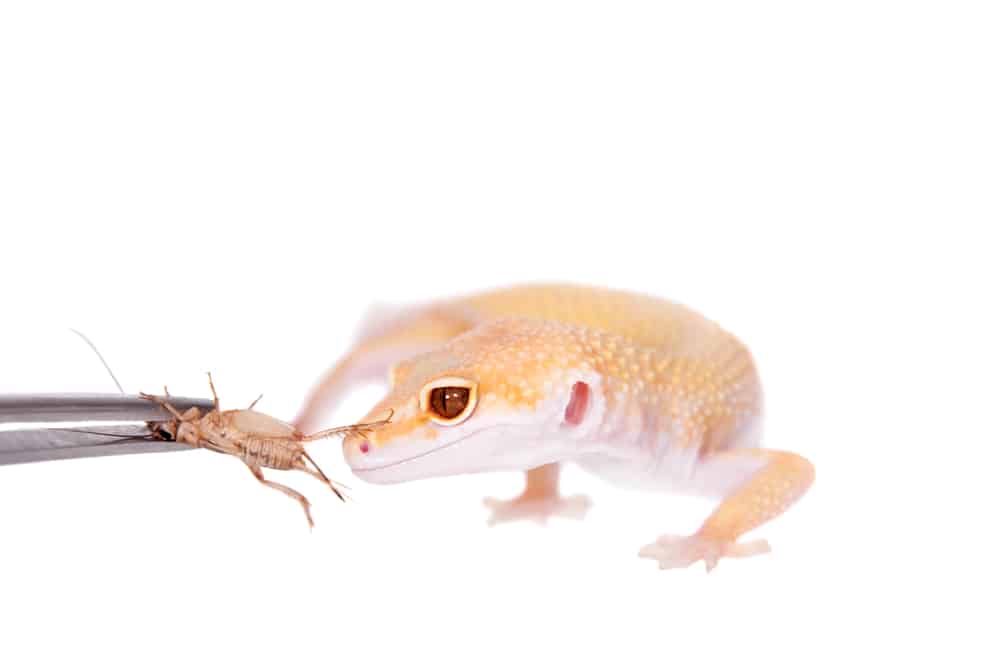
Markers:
(434, 463)
(392, 474)
(492, 449)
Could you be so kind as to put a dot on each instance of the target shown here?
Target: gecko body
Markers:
(641, 391)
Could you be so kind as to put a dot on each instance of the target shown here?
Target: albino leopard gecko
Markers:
(638, 390)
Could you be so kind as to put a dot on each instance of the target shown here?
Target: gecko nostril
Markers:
(364, 447)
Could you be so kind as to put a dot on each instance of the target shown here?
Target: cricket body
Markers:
(260, 441)
(641, 391)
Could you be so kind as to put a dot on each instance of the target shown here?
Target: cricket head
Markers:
(186, 429)
(506, 395)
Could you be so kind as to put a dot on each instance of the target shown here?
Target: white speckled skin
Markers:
(674, 403)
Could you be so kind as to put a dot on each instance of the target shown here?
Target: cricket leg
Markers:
(215, 396)
(318, 473)
(165, 404)
(291, 493)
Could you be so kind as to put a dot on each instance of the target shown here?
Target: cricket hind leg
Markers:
(288, 491)
(539, 501)
(318, 473)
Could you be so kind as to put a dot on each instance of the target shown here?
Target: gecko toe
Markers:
(539, 510)
(673, 551)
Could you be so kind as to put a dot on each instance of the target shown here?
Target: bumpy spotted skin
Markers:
(639, 390)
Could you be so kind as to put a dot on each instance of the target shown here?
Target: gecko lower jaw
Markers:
(360, 471)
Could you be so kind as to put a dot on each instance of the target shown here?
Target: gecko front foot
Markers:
(537, 509)
(675, 551)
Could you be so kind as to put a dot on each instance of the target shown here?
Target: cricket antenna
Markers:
(101, 357)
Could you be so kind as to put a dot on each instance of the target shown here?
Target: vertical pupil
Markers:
(449, 402)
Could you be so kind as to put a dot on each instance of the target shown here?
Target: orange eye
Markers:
(449, 400)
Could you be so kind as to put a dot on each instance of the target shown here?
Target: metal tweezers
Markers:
(28, 443)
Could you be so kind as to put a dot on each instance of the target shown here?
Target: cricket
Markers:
(257, 439)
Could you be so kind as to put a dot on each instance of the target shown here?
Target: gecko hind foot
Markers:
(673, 551)
(536, 509)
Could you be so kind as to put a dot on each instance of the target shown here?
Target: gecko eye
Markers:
(448, 401)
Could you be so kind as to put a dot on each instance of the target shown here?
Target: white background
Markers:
(227, 186)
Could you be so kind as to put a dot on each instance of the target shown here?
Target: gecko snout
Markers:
(356, 447)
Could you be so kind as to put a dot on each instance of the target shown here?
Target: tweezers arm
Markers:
(33, 408)
(44, 443)
(53, 444)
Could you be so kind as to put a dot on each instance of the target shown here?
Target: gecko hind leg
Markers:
(539, 501)
(674, 551)
(780, 480)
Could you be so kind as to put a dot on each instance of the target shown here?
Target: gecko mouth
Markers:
(421, 455)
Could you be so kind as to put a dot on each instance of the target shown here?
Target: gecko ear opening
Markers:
(579, 401)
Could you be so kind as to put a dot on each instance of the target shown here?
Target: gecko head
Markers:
(495, 398)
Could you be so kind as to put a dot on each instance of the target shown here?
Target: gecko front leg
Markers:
(539, 500)
(783, 478)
